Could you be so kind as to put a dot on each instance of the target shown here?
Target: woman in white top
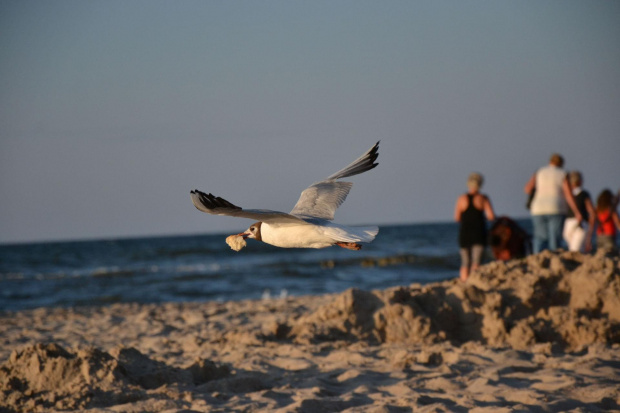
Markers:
(552, 198)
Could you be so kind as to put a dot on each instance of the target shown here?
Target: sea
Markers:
(203, 268)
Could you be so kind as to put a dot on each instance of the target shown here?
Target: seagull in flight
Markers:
(309, 224)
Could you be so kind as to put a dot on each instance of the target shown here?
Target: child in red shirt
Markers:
(607, 220)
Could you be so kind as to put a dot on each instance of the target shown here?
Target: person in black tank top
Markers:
(470, 211)
(473, 230)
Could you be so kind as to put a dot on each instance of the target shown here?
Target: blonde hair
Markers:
(575, 178)
(475, 180)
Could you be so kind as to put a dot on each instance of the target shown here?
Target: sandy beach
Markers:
(540, 334)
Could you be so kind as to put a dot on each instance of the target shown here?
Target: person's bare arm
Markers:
(488, 209)
(591, 223)
(458, 209)
(529, 186)
(615, 213)
(616, 219)
(570, 199)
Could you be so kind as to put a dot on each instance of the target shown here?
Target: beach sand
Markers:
(539, 334)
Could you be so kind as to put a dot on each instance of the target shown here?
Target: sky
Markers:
(112, 111)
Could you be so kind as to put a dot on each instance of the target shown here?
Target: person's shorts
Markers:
(472, 255)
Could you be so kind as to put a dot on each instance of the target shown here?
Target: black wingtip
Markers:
(370, 158)
(374, 154)
(211, 201)
(362, 164)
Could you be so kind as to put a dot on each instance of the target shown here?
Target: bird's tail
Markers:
(367, 234)
(352, 234)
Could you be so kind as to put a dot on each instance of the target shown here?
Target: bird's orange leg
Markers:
(350, 245)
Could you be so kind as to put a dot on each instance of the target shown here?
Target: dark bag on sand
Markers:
(508, 240)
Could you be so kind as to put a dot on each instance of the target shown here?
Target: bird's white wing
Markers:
(321, 199)
(215, 205)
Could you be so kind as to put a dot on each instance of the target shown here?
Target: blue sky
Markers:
(112, 111)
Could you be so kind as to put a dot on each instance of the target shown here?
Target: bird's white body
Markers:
(314, 236)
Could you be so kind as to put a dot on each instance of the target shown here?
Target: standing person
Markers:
(574, 234)
(469, 211)
(607, 220)
(550, 204)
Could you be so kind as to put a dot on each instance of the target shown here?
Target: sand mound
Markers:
(48, 376)
(566, 299)
(492, 344)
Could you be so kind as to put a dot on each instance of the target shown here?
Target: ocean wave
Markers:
(204, 268)
(447, 261)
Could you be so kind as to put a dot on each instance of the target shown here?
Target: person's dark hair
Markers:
(604, 201)
(557, 160)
